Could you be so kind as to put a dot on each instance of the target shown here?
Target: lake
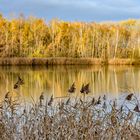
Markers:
(56, 80)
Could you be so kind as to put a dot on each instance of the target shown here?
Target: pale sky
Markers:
(73, 10)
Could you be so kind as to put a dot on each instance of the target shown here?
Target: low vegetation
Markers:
(70, 118)
(32, 37)
(66, 61)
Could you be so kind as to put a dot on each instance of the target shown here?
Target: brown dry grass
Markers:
(67, 61)
(72, 118)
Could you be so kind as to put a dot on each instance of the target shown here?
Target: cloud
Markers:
(89, 10)
(80, 10)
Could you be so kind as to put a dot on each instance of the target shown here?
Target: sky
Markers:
(73, 10)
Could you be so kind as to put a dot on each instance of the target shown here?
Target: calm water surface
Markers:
(55, 80)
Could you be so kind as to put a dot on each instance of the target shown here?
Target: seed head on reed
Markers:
(98, 101)
(104, 105)
(61, 105)
(50, 101)
(20, 80)
(85, 89)
(75, 106)
(18, 83)
(129, 97)
(72, 88)
(121, 108)
(81, 102)
(16, 86)
(104, 97)
(7, 95)
(68, 101)
(114, 120)
(114, 104)
(136, 109)
(82, 89)
(41, 96)
(93, 101)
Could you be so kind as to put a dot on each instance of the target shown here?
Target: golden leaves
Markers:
(31, 36)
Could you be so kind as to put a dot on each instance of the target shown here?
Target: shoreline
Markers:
(66, 61)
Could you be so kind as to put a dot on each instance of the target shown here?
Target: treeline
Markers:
(32, 37)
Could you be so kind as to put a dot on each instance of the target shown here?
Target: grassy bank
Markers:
(67, 61)
(72, 118)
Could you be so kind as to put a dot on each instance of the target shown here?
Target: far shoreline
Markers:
(17, 61)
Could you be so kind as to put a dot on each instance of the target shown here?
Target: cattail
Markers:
(129, 97)
(72, 88)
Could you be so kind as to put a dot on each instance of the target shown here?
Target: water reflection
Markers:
(111, 80)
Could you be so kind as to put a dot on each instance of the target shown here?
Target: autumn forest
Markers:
(33, 37)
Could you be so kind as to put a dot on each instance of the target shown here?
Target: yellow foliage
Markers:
(34, 37)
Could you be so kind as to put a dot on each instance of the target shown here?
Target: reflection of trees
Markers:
(57, 79)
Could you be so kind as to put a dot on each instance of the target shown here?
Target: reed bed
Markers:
(70, 118)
